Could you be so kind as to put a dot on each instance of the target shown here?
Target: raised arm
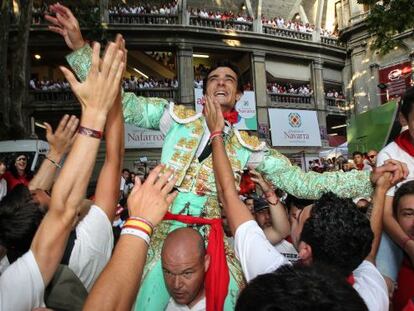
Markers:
(280, 223)
(107, 189)
(139, 111)
(60, 142)
(277, 169)
(117, 286)
(96, 96)
(236, 211)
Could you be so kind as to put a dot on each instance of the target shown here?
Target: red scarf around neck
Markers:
(404, 141)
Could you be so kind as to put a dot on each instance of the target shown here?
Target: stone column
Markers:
(103, 8)
(259, 86)
(183, 15)
(185, 74)
(360, 75)
(319, 97)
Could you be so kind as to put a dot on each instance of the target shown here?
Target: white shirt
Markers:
(93, 246)
(199, 306)
(371, 286)
(3, 188)
(288, 250)
(21, 285)
(393, 151)
(257, 256)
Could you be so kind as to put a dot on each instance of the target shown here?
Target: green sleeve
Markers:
(282, 174)
(140, 111)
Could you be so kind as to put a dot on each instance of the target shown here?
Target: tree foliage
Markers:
(387, 19)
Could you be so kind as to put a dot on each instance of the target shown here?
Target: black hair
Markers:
(407, 102)
(338, 233)
(299, 203)
(357, 153)
(405, 189)
(12, 167)
(20, 217)
(300, 288)
(125, 170)
(228, 64)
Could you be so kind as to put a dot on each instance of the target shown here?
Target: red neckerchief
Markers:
(217, 276)
(350, 279)
(405, 143)
(231, 116)
(360, 166)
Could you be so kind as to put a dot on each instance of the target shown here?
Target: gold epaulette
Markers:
(249, 141)
(182, 114)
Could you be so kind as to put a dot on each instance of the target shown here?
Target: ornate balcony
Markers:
(287, 33)
(289, 99)
(148, 19)
(222, 24)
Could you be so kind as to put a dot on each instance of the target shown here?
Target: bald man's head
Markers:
(184, 263)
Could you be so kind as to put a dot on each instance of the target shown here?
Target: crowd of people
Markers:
(280, 22)
(288, 88)
(144, 8)
(225, 223)
(48, 85)
(132, 83)
(366, 161)
(334, 94)
(219, 15)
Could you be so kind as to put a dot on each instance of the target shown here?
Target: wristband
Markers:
(143, 220)
(54, 162)
(405, 241)
(138, 225)
(137, 233)
(214, 135)
(90, 132)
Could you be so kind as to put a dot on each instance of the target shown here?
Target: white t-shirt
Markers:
(371, 286)
(199, 306)
(21, 285)
(93, 246)
(288, 250)
(257, 256)
(393, 151)
(3, 188)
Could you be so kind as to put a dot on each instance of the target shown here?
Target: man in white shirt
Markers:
(331, 232)
(184, 264)
(22, 284)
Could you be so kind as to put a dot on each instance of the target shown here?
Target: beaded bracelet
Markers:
(214, 135)
(90, 132)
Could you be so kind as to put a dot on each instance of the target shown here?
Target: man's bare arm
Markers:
(60, 142)
(96, 95)
(117, 286)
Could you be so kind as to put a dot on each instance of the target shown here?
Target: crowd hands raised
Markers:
(334, 244)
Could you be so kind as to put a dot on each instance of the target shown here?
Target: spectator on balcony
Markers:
(3, 183)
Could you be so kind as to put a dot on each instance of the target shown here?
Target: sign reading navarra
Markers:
(294, 127)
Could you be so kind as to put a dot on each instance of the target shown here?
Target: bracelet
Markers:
(90, 132)
(143, 220)
(137, 233)
(405, 241)
(273, 203)
(214, 135)
(139, 225)
(54, 162)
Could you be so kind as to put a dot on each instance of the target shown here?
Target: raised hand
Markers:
(65, 24)
(101, 87)
(61, 140)
(151, 199)
(257, 178)
(214, 116)
(399, 171)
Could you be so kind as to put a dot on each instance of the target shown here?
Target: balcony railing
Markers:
(277, 98)
(331, 41)
(219, 23)
(67, 95)
(337, 103)
(287, 33)
(131, 18)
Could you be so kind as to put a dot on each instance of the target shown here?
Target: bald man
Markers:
(184, 264)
